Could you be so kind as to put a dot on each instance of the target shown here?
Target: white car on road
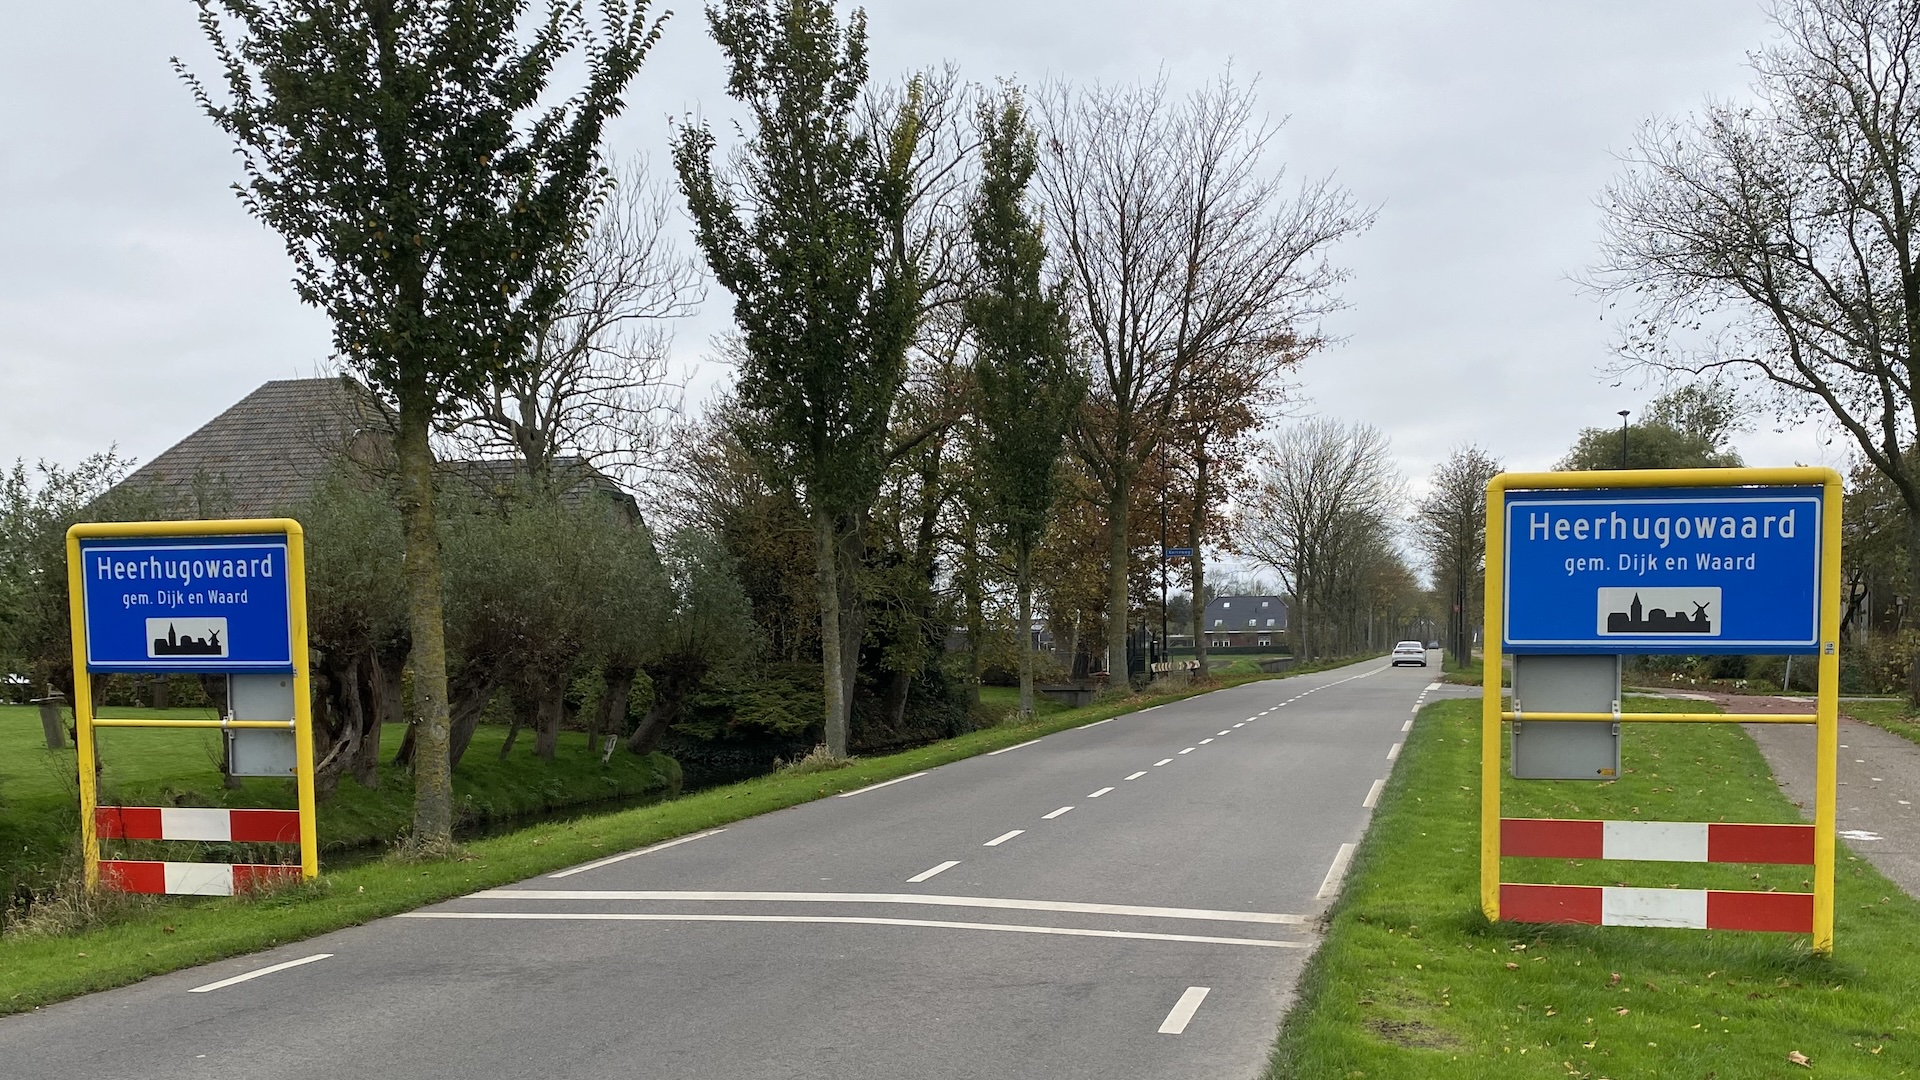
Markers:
(1409, 652)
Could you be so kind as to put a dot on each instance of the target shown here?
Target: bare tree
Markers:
(1778, 241)
(1321, 517)
(1450, 528)
(1180, 245)
(597, 384)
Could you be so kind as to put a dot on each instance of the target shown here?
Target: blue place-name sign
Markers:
(1690, 571)
(193, 603)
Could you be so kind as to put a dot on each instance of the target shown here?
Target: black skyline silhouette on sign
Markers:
(1659, 620)
(174, 645)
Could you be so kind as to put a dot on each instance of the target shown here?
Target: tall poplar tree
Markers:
(1029, 387)
(431, 190)
(806, 233)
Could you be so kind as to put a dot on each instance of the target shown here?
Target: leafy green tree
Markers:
(1029, 387)
(430, 189)
(1690, 427)
(1450, 528)
(803, 234)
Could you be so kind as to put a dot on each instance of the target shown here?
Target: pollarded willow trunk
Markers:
(826, 570)
(432, 766)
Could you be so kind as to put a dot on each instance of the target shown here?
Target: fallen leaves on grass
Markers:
(1799, 1059)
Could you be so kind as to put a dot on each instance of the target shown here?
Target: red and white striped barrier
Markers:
(194, 823)
(191, 879)
(1656, 841)
(1692, 909)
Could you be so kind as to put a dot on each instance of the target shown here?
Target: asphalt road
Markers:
(1134, 898)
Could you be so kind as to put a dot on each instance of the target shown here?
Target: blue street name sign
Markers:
(1177, 553)
(193, 603)
(1654, 570)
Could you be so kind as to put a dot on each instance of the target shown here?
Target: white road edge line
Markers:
(1373, 794)
(1150, 708)
(1183, 1010)
(1055, 814)
(1102, 791)
(623, 856)
(1393, 752)
(1139, 774)
(257, 972)
(922, 899)
(925, 874)
(1408, 726)
(1339, 868)
(1003, 838)
(878, 786)
(853, 920)
(1016, 746)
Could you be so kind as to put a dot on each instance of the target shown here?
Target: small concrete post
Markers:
(51, 722)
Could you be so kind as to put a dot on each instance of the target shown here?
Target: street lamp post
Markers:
(1623, 438)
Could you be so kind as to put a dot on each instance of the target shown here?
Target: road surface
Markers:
(1134, 898)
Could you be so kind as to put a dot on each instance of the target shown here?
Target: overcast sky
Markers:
(137, 299)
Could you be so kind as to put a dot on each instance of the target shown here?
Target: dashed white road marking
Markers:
(1104, 790)
(611, 859)
(1408, 726)
(1393, 752)
(1373, 794)
(1140, 774)
(878, 786)
(1332, 883)
(1003, 838)
(1161, 762)
(1008, 749)
(257, 972)
(1183, 1010)
(1223, 732)
(1055, 814)
(1204, 742)
(1242, 723)
(925, 874)
(1150, 708)
(1188, 750)
(849, 920)
(1097, 723)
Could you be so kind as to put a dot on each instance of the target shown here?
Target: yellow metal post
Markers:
(1491, 660)
(1827, 709)
(82, 713)
(302, 701)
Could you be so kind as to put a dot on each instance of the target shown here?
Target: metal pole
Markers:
(1623, 438)
(1165, 652)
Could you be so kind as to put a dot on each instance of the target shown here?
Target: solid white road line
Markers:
(1055, 814)
(848, 920)
(1003, 838)
(1183, 1010)
(611, 859)
(1393, 752)
(925, 874)
(257, 972)
(1340, 859)
(1408, 726)
(878, 786)
(1016, 746)
(1373, 794)
(1268, 918)
(1104, 790)
(1161, 762)
(1140, 774)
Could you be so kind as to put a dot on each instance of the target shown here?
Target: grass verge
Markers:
(1887, 714)
(1411, 980)
(151, 937)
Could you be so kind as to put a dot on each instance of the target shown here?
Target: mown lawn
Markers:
(1888, 714)
(39, 788)
(1412, 982)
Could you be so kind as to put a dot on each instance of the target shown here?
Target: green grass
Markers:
(39, 789)
(1888, 714)
(1007, 699)
(151, 936)
(1412, 982)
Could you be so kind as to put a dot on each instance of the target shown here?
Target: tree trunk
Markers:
(975, 614)
(471, 694)
(432, 765)
(1196, 525)
(162, 692)
(616, 685)
(386, 674)
(1120, 556)
(853, 621)
(1913, 578)
(550, 708)
(1023, 625)
(826, 569)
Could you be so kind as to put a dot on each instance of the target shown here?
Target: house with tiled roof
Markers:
(1233, 622)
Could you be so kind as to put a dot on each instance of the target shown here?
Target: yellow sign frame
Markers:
(1826, 717)
(85, 721)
